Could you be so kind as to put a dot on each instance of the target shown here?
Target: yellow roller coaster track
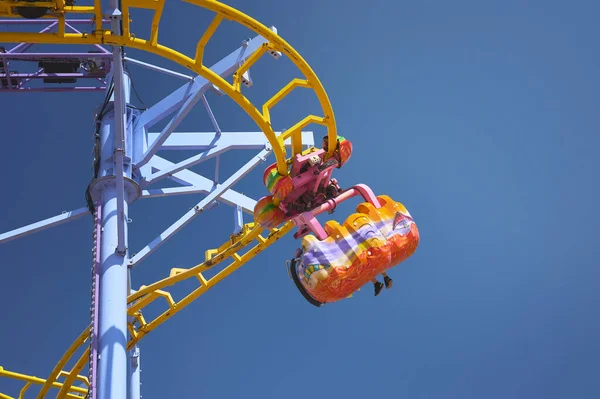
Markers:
(146, 295)
(251, 232)
(194, 63)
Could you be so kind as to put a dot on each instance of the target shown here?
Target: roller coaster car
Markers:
(379, 236)
(337, 260)
(307, 186)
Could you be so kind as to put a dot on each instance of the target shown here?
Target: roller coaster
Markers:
(332, 262)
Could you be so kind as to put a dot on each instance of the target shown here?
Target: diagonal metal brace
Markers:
(199, 208)
(43, 224)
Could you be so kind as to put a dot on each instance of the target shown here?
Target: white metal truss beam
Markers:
(215, 194)
(43, 224)
(187, 163)
(196, 183)
(170, 128)
(201, 141)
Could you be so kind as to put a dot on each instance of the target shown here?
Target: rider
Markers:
(379, 286)
(336, 155)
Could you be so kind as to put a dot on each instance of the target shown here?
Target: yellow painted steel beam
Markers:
(205, 38)
(25, 388)
(80, 378)
(237, 76)
(64, 390)
(295, 132)
(287, 89)
(98, 17)
(29, 380)
(81, 339)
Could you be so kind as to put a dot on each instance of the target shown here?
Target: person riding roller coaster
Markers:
(331, 189)
(340, 156)
(342, 152)
(309, 199)
(379, 286)
(306, 186)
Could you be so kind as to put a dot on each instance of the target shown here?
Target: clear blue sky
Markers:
(481, 117)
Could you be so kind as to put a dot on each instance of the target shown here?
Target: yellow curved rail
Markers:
(151, 45)
(140, 327)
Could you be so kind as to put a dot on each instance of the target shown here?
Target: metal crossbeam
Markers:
(158, 69)
(21, 47)
(169, 191)
(203, 141)
(198, 184)
(187, 163)
(218, 191)
(16, 82)
(44, 224)
(170, 128)
(119, 144)
(211, 115)
(29, 76)
(54, 89)
(75, 21)
(238, 220)
(20, 56)
(226, 142)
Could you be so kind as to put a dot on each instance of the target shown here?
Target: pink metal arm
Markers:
(308, 222)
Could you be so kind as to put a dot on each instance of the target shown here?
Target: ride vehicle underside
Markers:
(335, 260)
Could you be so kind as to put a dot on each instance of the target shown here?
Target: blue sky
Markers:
(481, 117)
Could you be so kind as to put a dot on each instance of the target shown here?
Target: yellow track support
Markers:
(151, 45)
(70, 392)
(251, 233)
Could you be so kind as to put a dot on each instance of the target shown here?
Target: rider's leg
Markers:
(378, 286)
(388, 281)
